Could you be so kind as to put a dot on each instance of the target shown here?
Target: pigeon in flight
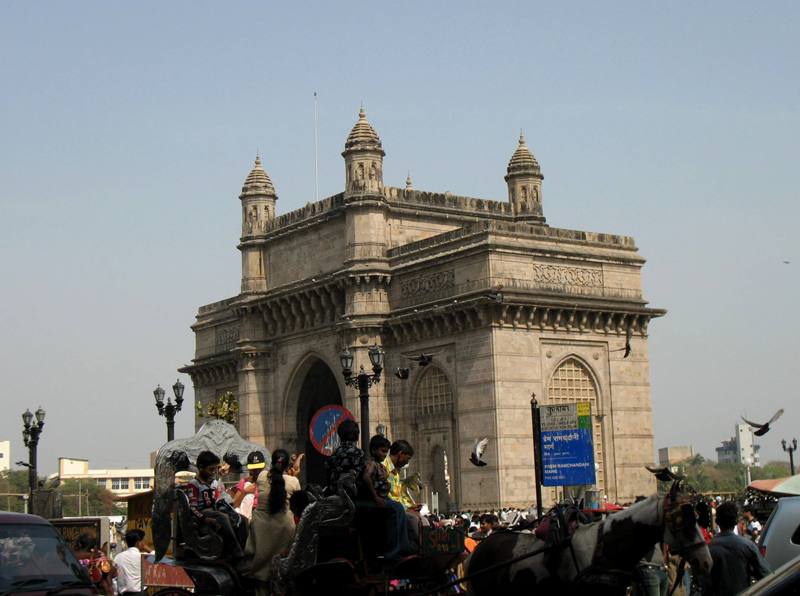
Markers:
(627, 348)
(477, 451)
(763, 428)
(422, 359)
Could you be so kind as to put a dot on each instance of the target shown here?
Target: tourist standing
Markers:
(272, 526)
(129, 565)
(736, 559)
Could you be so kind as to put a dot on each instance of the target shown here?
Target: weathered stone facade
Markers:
(507, 305)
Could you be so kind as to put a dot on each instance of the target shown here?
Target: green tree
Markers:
(13, 484)
(86, 498)
(773, 469)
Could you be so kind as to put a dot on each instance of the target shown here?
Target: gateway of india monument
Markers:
(506, 304)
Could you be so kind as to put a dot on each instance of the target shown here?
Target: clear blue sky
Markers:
(127, 129)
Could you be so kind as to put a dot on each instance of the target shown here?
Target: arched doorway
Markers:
(434, 405)
(572, 382)
(319, 388)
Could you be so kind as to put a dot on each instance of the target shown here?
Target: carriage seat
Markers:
(559, 523)
(192, 538)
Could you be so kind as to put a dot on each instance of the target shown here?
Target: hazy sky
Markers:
(127, 129)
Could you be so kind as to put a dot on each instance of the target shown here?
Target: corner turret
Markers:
(524, 179)
(363, 159)
(258, 210)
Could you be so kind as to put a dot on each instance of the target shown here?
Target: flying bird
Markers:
(402, 373)
(477, 452)
(763, 428)
(786, 262)
(627, 348)
(422, 359)
(628, 336)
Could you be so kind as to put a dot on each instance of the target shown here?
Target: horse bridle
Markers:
(678, 518)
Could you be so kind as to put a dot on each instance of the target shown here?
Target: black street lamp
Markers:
(790, 448)
(169, 409)
(363, 381)
(30, 435)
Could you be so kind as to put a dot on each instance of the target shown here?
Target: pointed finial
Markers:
(258, 158)
(361, 113)
(521, 137)
(409, 182)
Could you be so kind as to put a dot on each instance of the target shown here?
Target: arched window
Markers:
(571, 382)
(434, 394)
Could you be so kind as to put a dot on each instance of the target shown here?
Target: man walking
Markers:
(736, 559)
(129, 564)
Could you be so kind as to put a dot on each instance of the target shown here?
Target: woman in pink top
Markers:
(245, 493)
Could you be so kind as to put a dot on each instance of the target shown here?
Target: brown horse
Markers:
(599, 557)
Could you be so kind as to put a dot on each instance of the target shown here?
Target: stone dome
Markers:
(258, 182)
(523, 161)
(363, 136)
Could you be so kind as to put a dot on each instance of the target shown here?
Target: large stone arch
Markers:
(312, 386)
(572, 378)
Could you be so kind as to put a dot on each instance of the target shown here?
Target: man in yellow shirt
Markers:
(400, 453)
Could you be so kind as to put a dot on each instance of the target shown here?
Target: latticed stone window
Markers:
(571, 382)
(434, 394)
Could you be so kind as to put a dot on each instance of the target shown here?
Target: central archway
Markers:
(319, 388)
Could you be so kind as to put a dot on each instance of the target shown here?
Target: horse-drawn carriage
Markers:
(335, 548)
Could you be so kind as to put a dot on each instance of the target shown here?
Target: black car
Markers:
(34, 560)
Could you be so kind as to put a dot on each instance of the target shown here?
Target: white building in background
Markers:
(121, 482)
(5, 456)
(740, 449)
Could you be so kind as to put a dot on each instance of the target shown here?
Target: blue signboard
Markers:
(322, 430)
(567, 447)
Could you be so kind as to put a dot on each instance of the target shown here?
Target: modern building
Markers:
(669, 456)
(740, 449)
(5, 456)
(507, 305)
(122, 482)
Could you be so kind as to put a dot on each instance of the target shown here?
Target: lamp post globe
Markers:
(346, 360)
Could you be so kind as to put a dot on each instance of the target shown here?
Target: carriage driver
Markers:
(203, 491)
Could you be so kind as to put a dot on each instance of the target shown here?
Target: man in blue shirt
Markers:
(736, 559)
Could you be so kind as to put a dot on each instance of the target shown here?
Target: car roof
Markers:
(7, 517)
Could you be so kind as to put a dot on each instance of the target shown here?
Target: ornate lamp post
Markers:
(790, 448)
(363, 381)
(30, 434)
(169, 409)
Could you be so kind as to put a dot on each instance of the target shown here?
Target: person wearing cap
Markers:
(245, 493)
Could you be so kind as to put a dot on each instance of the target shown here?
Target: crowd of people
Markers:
(271, 499)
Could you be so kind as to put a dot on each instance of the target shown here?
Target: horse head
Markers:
(681, 531)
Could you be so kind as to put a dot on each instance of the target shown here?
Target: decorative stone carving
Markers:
(569, 276)
(225, 338)
(426, 284)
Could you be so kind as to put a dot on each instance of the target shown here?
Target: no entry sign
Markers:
(322, 430)
(566, 439)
